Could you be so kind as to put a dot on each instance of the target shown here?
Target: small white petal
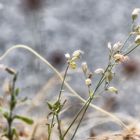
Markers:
(99, 71)
(77, 53)
(117, 46)
(67, 55)
(109, 46)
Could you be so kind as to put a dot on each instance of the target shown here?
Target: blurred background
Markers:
(55, 27)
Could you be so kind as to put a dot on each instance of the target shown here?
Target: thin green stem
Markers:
(75, 118)
(126, 41)
(90, 100)
(10, 134)
(131, 50)
(59, 97)
(63, 82)
(10, 117)
(102, 78)
(59, 127)
(19, 46)
(49, 133)
(86, 104)
(81, 119)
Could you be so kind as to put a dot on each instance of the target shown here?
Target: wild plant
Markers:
(8, 113)
(118, 53)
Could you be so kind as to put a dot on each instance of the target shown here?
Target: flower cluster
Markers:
(136, 28)
(72, 59)
(115, 53)
(120, 58)
(116, 47)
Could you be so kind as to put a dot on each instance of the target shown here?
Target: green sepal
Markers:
(57, 107)
(50, 105)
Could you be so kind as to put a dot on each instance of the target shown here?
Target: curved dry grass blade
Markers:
(116, 119)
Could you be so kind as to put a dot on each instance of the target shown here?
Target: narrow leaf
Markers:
(24, 119)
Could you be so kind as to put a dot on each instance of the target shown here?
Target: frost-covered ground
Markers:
(60, 26)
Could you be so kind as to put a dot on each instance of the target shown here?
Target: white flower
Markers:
(99, 71)
(113, 90)
(67, 55)
(84, 67)
(77, 53)
(137, 39)
(117, 46)
(88, 82)
(120, 58)
(135, 13)
(109, 46)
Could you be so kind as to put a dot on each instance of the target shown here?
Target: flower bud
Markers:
(109, 76)
(88, 82)
(67, 55)
(99, 71)
(137, 39)
(77, 53)
(10, 71)
(113, 90)
(136, 30)
(117, 46)
(7, 69)
(135, 13)
(84, 67)
(73, 65)
(120, 58)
